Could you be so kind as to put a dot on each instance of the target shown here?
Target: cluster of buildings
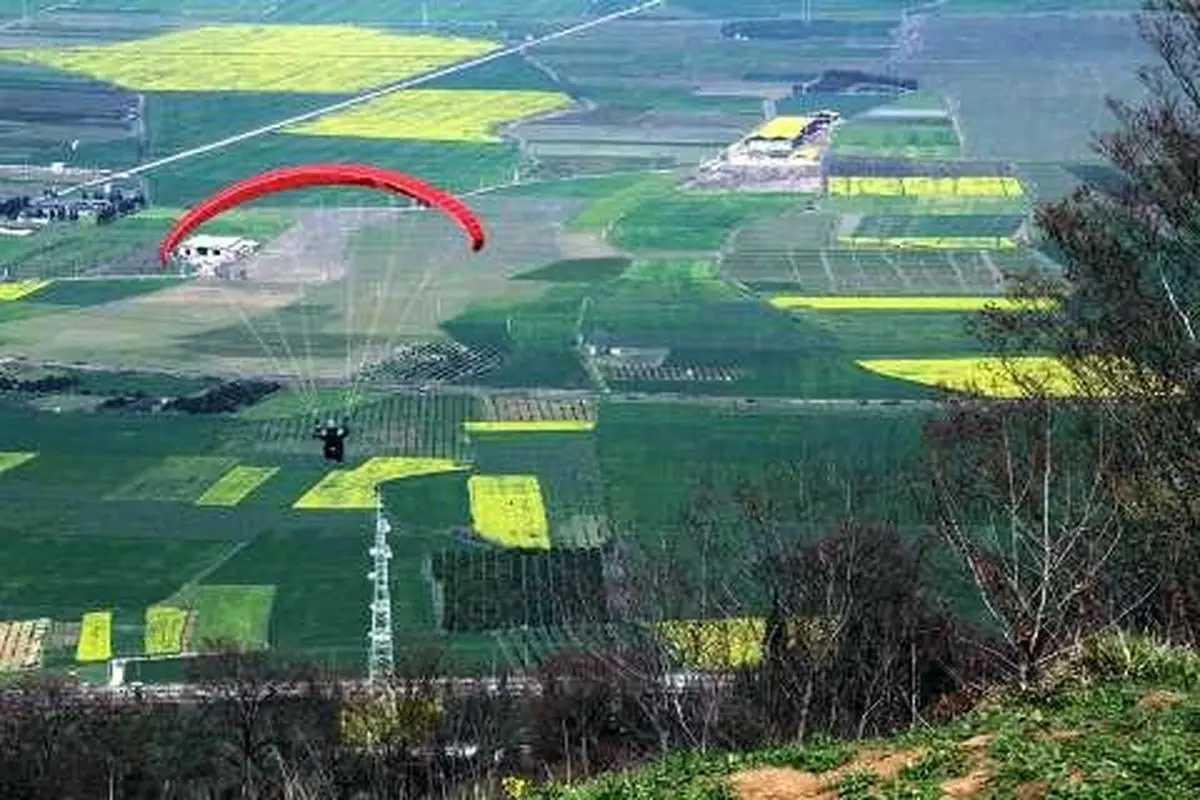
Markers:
(783, 154)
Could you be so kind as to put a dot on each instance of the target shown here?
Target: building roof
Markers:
(203, 240)
(782, 128)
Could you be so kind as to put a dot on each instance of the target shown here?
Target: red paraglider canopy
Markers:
(303, 176)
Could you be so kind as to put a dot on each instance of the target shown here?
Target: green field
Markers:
(578, 270)
(940, 225)
(692, 222)
(896, 139)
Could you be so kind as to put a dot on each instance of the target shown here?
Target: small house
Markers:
(206, 254)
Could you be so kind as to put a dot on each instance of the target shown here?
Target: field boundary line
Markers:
(198, 578)
(374, 94)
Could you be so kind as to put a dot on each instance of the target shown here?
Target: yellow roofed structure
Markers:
(781, 128)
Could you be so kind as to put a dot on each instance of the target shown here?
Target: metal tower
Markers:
(380, 655)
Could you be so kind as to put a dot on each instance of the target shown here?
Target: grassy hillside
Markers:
(1121, 720)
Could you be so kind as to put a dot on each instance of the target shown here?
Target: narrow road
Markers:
(374, 94)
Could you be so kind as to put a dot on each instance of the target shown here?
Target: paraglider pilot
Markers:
(334, 436)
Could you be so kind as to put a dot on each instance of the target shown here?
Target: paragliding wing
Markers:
(306, 175)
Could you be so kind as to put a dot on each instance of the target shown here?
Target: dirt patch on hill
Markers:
(1160, 700)
(773, 783)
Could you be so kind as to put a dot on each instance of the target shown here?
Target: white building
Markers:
(208, 254)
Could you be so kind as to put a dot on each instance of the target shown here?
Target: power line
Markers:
(360, 99)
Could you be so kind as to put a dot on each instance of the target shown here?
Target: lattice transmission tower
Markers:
(380, 653)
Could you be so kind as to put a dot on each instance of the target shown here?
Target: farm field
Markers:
(511, 502)
(356, 11)
(314, 59)
(897, 139)
(233, 329)
(446, 115)
(584, 477)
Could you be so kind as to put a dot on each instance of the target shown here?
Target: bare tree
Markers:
(1021, 493)
(1125, 318)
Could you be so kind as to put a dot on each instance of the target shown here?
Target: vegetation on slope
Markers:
(1120, 719)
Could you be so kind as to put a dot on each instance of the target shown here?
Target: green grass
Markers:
(1097, 735)
(96, 292)
(610, 206)
(578, 270)
(429, 502)
(897, 335)
(289, 403)
(451, 165)
(694, 221)
(228, 613)
(903, 139)
(63, 575)
(939, 225)
(177, 479)
(651, 454)
(586, 187)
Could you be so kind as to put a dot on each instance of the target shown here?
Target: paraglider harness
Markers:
(334, 437)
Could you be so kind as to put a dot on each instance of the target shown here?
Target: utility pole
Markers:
(380, 653)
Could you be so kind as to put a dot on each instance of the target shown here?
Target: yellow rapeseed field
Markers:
(355, 488)
(163, 633)
(530, 426)
(508, 510)
(989, 376)
(12, 460)
(259, 58)
(449, 115)
(19, 290)
(792, 302)
(95, 637)
(235, 486)
(992, 377)
(931, 242)
(918, 186)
